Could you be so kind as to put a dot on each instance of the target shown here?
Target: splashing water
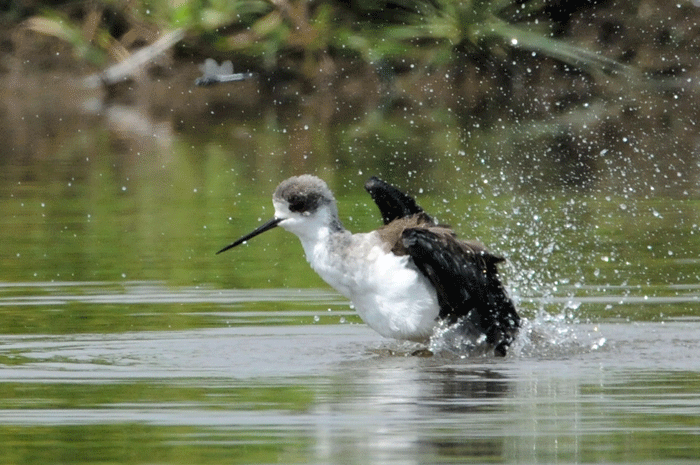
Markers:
(548, 335)
(543, 336)
(452, 340)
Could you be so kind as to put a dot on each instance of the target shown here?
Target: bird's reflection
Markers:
(411, 407)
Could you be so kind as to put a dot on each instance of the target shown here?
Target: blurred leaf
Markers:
(50, 26)
(182, 16)
(579, 57)
(65, 30)
(268, 24)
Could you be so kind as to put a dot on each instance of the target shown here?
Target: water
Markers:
(125, 339)
(298, 385)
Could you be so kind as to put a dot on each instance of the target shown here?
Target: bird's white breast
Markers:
(388, 291)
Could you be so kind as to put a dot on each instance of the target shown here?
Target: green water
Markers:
(125, 339)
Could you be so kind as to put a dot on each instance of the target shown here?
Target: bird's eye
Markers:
(297, 203)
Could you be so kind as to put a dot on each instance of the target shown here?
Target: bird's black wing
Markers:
(468, 287)
(393, 204)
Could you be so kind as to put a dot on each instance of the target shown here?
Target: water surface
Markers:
(198, 375)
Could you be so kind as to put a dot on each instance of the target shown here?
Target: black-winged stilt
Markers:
(403, 278)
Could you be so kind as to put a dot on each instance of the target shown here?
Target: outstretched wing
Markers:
(393, 204)
(467, 284)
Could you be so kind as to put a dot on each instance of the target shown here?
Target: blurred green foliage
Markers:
(436, 31)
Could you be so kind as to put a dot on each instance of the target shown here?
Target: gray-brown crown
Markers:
(304, 193)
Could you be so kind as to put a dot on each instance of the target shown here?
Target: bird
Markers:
(405, 278)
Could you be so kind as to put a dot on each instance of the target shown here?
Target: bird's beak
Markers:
(261, 229)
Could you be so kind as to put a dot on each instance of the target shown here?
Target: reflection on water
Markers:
(124, 338)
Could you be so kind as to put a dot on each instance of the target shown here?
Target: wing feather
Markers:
(393, 204)
(467, 283)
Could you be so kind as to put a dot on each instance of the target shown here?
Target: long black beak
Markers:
(261, 229)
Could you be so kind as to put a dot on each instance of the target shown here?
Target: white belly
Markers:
(397, 301)
(388, 292)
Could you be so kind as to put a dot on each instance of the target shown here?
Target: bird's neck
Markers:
(319, 242)
(326, 252)
(318, 233)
